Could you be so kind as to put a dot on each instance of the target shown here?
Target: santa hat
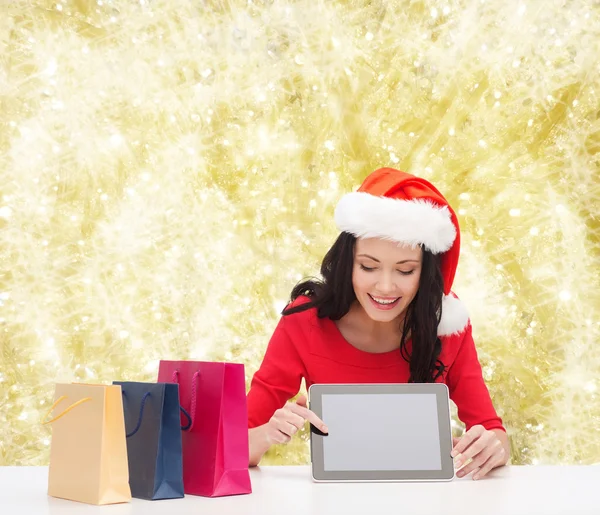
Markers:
(400, 207)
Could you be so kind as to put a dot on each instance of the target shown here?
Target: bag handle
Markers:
(189, 419)
(139, 422)
(58, 401)
(190, 416)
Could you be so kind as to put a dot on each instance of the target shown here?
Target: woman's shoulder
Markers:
(303, 314)
(309, 312)
(300, 325)
(452, 343)
(299, 301)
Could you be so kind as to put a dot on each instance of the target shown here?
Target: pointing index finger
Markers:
(306, 414)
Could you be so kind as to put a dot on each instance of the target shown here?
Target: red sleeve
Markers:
(278, 379)
(468, 389)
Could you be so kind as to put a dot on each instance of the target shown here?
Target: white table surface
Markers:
(514, 490)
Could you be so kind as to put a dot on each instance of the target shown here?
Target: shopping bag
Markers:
(88, 453)
(153, 439)
(215, 447)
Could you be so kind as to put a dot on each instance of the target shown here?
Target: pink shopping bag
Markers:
(215, 446)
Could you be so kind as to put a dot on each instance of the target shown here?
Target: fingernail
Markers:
(324, 428)
(475, 478)
(460, 474)
(453, 453)
(458, 464)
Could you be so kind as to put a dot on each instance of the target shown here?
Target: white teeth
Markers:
(381, 301)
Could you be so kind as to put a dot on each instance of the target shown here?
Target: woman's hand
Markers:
(286, 421)
(486, 449)
(284, 424)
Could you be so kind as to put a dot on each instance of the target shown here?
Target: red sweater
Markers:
(305, 346)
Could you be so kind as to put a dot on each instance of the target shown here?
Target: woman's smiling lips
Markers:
(384, 303)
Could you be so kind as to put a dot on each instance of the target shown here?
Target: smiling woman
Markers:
(384, 284)
(383, 313)
(385, 280)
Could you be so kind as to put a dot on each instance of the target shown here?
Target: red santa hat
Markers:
(398, 206)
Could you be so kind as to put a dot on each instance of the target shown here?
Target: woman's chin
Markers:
(383, 317)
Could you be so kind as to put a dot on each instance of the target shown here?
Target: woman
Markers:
(383, 313)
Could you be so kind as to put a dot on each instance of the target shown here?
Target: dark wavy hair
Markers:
(334, 294)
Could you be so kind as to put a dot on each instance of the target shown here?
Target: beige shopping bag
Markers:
(88, 452)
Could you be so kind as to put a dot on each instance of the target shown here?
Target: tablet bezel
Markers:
(440, 390)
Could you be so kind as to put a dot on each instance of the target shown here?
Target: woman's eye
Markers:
(369, 269)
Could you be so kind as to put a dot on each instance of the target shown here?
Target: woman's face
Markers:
(385, 277)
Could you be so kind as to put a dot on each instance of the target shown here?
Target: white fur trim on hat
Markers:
(455, 316)
(414, 222)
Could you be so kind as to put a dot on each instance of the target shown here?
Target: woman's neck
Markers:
(369, 335)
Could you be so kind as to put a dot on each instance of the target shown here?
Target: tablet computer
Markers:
(381, 432)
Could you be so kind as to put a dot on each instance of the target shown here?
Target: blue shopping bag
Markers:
(154, 451)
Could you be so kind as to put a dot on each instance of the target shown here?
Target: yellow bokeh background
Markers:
(169, 170)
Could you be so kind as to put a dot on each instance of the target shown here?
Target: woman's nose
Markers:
(385, 283)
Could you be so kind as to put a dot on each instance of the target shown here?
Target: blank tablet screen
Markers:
(362, 426)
